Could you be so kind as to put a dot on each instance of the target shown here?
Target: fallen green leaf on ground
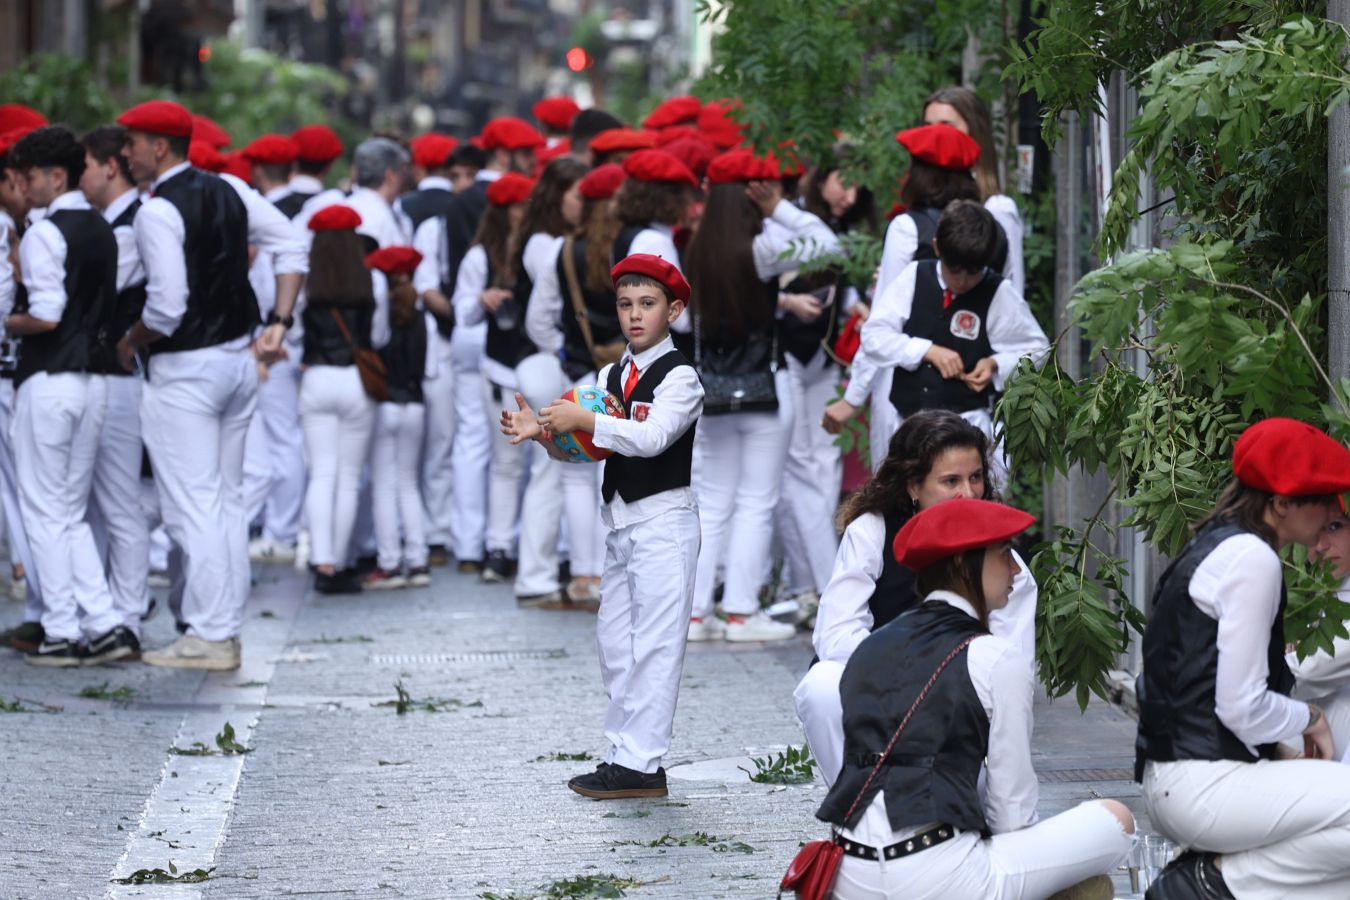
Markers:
(562, 756)
(405, 702)
(697, 839)
(102, 692)
(581, 887)
(227, 744)
(159, 876)
(349, 639)
(17, 705)
(793, 766)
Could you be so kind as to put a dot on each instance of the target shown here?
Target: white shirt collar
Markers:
(955, 600)
(305, 184)
(68, 200)
(169, 174)
(651, 354)
(488, 175)
(119, 206)
(277, 193)
(433, 182)
(663, 228)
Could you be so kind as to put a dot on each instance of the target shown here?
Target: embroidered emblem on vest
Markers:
(640, 411)
(966, 324)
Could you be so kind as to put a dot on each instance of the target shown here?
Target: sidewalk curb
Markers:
(1120, 688)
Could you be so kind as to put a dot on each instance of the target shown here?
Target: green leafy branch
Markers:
(795, 765)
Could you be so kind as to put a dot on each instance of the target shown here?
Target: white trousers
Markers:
(821, 713)
(474, 437)
(438, 478)
(738, 472)
(541, 382)
(338, 420)
(507, 473)
(646, 593)
(120, 526)
(195, 411)
(16, 534)
(274, 457)
(1283, 827)
(57, 418)
(1030, 864)
(811, 478)
(395, 489)
(586, 533)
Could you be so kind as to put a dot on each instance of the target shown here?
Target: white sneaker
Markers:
(189, 652)
(709, 629)
(265, 550)
(158, 579)
(759, 627)
(18, 588)
(302, 551)
(807, 604)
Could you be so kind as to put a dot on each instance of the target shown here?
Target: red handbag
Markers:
(812, 872)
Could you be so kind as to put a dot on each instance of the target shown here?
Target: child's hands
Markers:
(562, 416)
(979, 378)
(946, 361)
(524, 425)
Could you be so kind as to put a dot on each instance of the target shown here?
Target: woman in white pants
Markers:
(908, 806)
(733, 263)
(1214, 704)
(336, 414)
(396, 455)
(935, 456)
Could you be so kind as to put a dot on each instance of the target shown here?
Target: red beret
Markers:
(658, 165)
(678, 132)
(1291, 458)
(510, 133)
(271, 150)
(652, 267)
(394, 260)
(510, 188)
(717, 125)
(316, 143)
(431, 151)
(941, 145)
(204, 129)
(952, 526)
(9, 138)
(338, 217)
(204, 156)
(237, 164)
(674, 111)
(696, 153)
(545, 155)
(602, 182)
(613, 140)
(741, 165)
(158, 117)
(556, 112)
(16, 115)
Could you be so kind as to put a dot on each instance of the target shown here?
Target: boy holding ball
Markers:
(646, 590)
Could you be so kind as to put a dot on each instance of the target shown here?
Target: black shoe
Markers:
(470, 566)
(438, 555)
(150, 609)
(365, 564)
(345, 582)
(1191, 876)
(57, 654)
(117, 644)
(24, 637)
(611, 781)
(497, 569)
(564, 571)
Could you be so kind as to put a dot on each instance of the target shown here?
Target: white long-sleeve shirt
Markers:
(540, 251)
(8, 282)
(1012, 330)
(1238, 585)
(789, 224)
(42, 256)
(160, 234)
(1004, 685)
(130, 270)
(845, 618)
(677, 402)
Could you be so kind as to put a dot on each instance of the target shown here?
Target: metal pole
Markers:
(1338, 225)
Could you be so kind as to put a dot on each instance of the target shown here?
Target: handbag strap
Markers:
(578, 299)
(342, 327)
(904, 722)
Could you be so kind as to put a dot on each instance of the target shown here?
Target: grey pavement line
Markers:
(188, 811)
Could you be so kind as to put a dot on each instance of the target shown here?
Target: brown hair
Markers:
(494, 233)
(337, 271)
(543, 213)
(861, 216)
(963, 575)
(634, 279)
(599, 226)
(922, 438)
(643, 203)
(727, 293)
(970, 107)
(966, 236)
(932, 186)
(402, 300)
(1246, 507)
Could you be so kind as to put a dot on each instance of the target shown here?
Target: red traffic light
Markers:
(579, 60)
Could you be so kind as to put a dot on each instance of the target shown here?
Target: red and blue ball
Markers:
(578, 446)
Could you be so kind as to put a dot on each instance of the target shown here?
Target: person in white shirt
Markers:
(1321, 677)
(193, 233)
(1215, 711)
(927, 700)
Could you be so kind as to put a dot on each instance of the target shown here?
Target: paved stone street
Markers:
(342, 796)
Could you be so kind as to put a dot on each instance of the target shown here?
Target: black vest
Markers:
(405, 360)
(91, 299)
(463, 212)
(632, 477)
(221, 305)
(324, 342)
(1177, 719)
(291, 204)
(601, 307)
(424, 203)
(931, 773)
(925, 388)
(925, 222)
(894, 592)
(506, 339)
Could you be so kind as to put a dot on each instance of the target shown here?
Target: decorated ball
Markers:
(577, 445)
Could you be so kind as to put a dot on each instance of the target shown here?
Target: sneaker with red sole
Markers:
(380, 580)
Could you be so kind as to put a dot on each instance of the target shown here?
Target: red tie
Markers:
(947, 297)
(631, 382)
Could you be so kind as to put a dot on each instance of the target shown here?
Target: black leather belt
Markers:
(921, 841)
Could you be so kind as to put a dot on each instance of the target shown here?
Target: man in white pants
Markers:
(193, 233)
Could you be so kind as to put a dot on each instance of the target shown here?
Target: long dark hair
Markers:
(1246, 507)
(494, 233)
(642, 203)
(402, 301)
(921, 439)
(963, 575)
(544, 210)
(727, 294)
(337, 271)
(933, 186)
(972, 108)
(599, 226)
(862, 215)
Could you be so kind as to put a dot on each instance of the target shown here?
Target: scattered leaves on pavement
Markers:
(225, 743)
(697, 839)
(793, 766)
(120, 694)
(18, 705)
(563, 756)
(581, 887)
(349, 639)
(406, 703)
(159, 876)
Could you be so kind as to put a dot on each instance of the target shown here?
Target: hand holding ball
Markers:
(578, 445)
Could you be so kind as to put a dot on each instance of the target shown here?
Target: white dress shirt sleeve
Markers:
(1004, 210)
(159, 238)
(676, 403)
(844, 617)
(1014, 333)
(430, 242)
(7, 284)
(1239, 584)
(469, 285)
(1006, 689)
(271, 232)
(1016, 622)
(791, 228)
(863, 374)
(129, 268)
(902, 241)
(543, 322)
(657, 243)
(42, 255)
(883, 334)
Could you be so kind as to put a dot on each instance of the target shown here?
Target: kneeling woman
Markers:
(1214, 701)
(909, 815)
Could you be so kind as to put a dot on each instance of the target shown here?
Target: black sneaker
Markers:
(57, 654)
(24, 637)
(611, 781)
(438, 555)
(1191, 876)
(497, 569)
(150, 609)
(117, 644)
(564, 571)
(469, 566)
(366, 564)
(345, 582)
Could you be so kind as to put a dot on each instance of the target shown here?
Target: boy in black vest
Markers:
(69, 263)
(647, 589)
(953, 329)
